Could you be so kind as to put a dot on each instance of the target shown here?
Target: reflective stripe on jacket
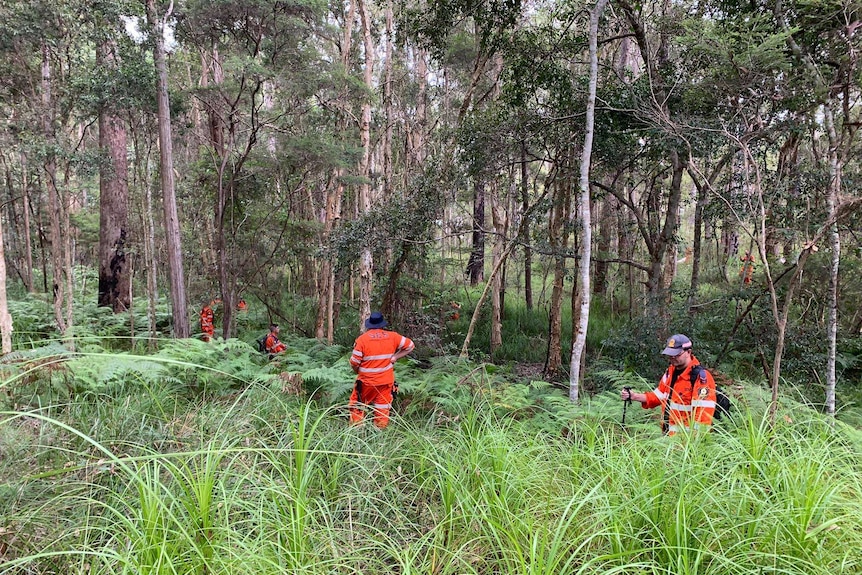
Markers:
(689, 402)
(372, 355)
(207, 317)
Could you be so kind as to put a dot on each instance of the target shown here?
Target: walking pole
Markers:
(626, 403)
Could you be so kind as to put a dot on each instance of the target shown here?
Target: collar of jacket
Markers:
(671, 369)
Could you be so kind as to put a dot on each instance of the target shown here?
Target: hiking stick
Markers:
(626, 403)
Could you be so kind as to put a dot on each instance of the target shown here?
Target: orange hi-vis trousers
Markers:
(377, 397)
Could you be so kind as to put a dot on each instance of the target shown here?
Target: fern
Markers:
(619, 378)
(116, 373)
(336, 381)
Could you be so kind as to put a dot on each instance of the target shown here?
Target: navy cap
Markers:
(677, 344)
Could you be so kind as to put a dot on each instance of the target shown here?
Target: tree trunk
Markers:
(478, 309)
(172, 224)
(68, 236)
(499, 220)
(603, 247)
(580, 342)
(366, 261)
(476, 264)
(661, 260)
(696, 248)
(50, 168)
(113, 202)
(528, 252)
(5, 318)
(832, 199)
(416, 138)
(28, 246)
(386, 140)
(558, 240)
(150, 257)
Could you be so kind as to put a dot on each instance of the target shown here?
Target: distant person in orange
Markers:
(207, 321)
(241, 305)
(272, 344)
(373, 360)
(455, 314)
(746, 271)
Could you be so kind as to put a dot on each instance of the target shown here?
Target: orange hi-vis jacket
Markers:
(272, 344)
(372, 355)
(207, 317)
(690, 402)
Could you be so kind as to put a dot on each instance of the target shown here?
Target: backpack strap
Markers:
(697, 371)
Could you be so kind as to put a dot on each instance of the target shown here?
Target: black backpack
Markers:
(261, 343)
(723, 405)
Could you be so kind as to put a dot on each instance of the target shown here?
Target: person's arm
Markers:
(356, 358)
(650, 399)
(398, 355)
(405, 347)
(627, 394)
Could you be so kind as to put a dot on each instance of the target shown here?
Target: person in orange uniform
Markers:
(272, 344)
(207, 322)
(746, 272)
(686, 391)
(241, 305)
(373, 360)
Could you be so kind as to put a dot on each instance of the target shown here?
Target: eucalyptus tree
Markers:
(781, 85)
(366, 260)
(474, 33)
(158, 18)
(825, 46)
(114, 272)
(250, 52)
(585, 219)
(5, 317)
(42, 51)
(120, 82)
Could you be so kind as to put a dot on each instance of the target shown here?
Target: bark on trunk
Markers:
(832, 198)
(580, 341)
(172, 224)
(5, 318)
(476, 264)
(499, 219)
(114, 271)
(528, 253)
(386, 140)
(28, 243)
(150, 257)
(603, 248)
(50, 167)
(558, 240)
(366, 261)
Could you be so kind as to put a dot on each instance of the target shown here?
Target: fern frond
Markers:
(619, 378)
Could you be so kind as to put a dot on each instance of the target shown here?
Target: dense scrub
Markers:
(113, 463)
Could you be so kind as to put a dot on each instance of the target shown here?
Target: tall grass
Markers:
(264, 484)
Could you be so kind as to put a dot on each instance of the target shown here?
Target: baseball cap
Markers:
(677, 344)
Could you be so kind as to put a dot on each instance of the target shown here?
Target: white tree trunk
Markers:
(5, 318)
(584, 213)
(835, 245)
(366, 261)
